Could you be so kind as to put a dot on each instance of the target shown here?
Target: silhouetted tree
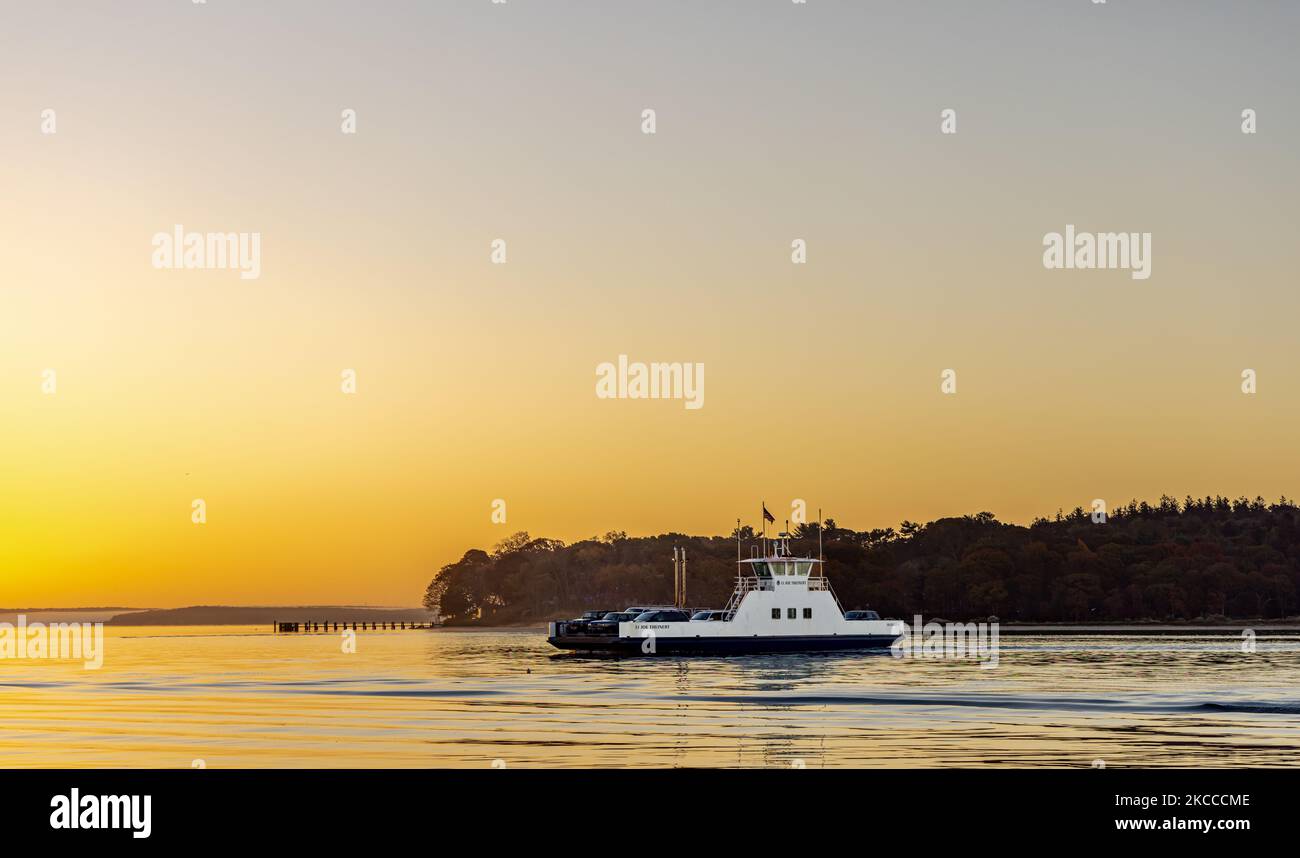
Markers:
(1201, 559)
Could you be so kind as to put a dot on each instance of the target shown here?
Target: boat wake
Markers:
(564, 692)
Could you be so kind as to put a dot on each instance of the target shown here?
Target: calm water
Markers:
(244, 697)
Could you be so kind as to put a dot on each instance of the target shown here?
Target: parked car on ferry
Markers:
(861, 615)
(643, 608)
(608, 624)
(667, 616)
(708, 616)
(581, 624)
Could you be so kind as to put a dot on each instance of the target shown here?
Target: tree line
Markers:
(1199, 559)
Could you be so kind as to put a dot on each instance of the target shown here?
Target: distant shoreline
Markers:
(91, 610)
(221, 615)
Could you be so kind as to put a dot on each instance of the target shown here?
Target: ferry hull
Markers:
(721, 644)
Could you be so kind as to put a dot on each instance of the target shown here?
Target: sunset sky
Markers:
(476, 381)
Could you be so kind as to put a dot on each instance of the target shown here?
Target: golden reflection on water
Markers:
(243, 697)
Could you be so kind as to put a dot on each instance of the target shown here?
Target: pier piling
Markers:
(303, 626)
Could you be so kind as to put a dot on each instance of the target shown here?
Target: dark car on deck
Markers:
(708, 616)
(861, 615)
(581, 624)
(608, 624)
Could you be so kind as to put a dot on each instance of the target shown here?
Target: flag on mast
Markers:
(767, 516)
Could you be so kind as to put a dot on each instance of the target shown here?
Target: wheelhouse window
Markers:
(807, 613)
(791, 613)
(776, 613)
(802, 569)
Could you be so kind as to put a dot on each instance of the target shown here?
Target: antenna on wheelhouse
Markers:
(737, 553)
(819, 536)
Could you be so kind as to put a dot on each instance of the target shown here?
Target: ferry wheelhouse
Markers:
(782, 603)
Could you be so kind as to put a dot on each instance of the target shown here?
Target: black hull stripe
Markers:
(789, 643)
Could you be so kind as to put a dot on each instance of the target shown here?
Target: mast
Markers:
(819, 537)
(683, 604)
(676, 580)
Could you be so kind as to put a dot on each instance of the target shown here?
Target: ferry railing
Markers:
(821, 582)
(743, 586)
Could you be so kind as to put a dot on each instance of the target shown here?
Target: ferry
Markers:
(782, 603)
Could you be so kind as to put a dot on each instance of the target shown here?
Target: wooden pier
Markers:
(354, 625)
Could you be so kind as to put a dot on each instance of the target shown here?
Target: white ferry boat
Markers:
(782, 603)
